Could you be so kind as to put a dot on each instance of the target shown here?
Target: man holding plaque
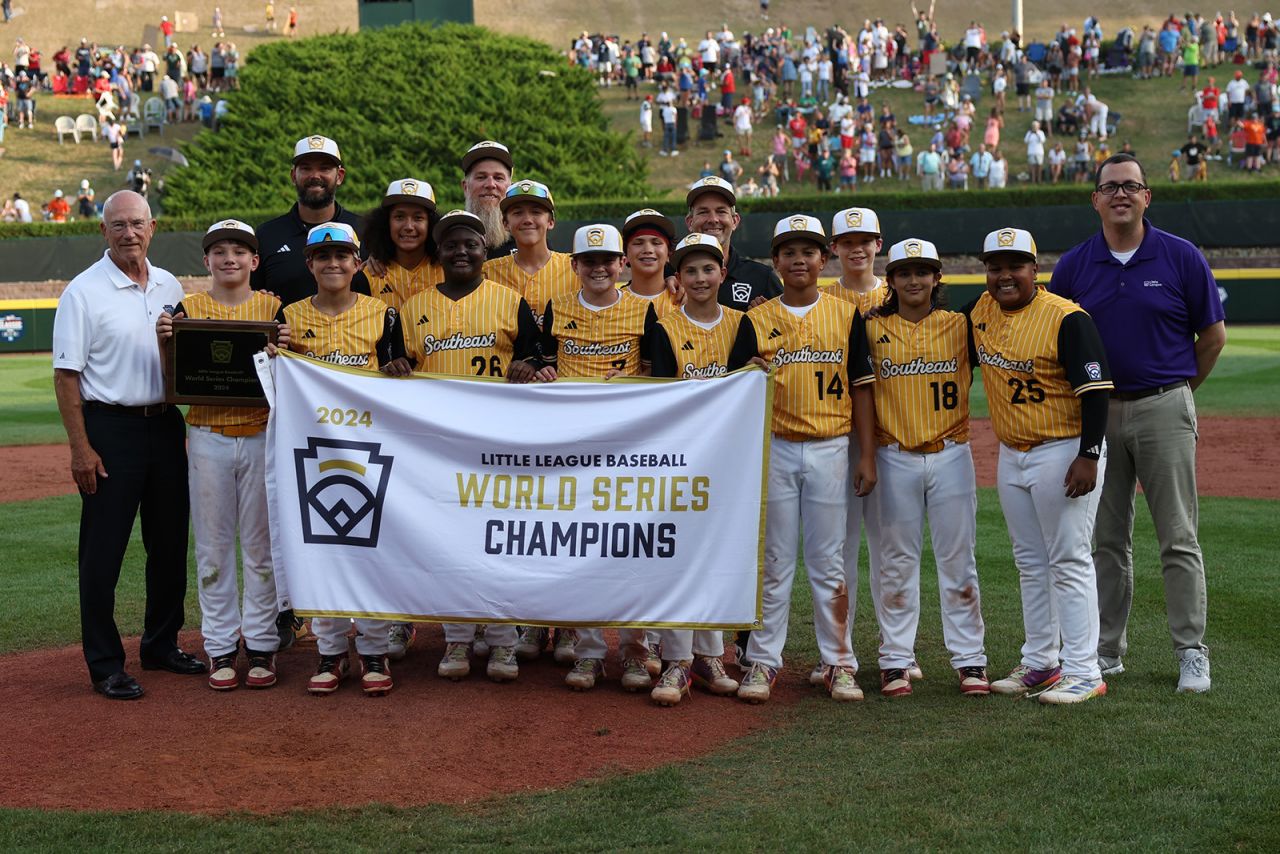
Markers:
(127, 445)
(227, 448)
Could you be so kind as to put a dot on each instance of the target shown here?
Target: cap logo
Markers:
(595, 237)
(853, 219)
(231, 223)
(799, 223)
(913, 249)
(410, 187)
(526, 187)
(316, 143)
(1005, 238)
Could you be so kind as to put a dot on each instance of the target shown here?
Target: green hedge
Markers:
(881, 200)
(405, 101)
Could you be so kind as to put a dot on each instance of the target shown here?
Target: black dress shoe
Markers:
(119, 686)
(176, 661)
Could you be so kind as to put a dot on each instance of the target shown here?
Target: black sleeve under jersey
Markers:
(360, 284)
(967, 311)
(1081, 354)
(526, 344)
(646, 339)
(662, 357)
(859, 362)
(547, 343)
(745, 347)
(391, 345)
(280, 315)
(402, 335)
(179, 309)
(1094, 408)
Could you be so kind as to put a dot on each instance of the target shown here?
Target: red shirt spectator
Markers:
(727, 84)
(1209, 97)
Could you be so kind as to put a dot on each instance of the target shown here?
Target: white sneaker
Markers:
(456, 663)
(1110, 665)
(1193, 672)
(634, 675)
(818, 675)
(503, 666)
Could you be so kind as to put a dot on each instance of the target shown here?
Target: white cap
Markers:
(84, 183)
(316, 145)
(1008, 240)
(710, 184)
(331, 233)
(230, 229)
(799, 225)
(910, 251)
(57, 194)
(486, 150)
(528, 191)
(855, 221)
(697, 242)
(597, 238)
(653, 219)
(409, 190)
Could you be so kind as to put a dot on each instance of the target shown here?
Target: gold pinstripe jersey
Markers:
(399, 284)
(472, 336)
(922, 379)
(260, 306)
(864, 300)
(359, 337)
(1035, 362)
(815, 358)
(661, 301)
(581, 342)
(556, 278)
(682, 348)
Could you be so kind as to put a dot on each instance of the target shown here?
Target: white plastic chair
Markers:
(86, 123)
(66, 125)
(153, 114)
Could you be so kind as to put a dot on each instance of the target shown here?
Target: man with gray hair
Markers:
(128, 451)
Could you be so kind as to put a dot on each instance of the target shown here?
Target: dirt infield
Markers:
(186, 749)
(1237, 458)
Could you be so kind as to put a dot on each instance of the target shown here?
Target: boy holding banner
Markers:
(693, 342)
(469, 326)
(600, 331)
(817, 347)
(344, 328)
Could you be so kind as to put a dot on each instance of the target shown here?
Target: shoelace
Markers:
(375, 665)
(329, 664)
(1199, 666)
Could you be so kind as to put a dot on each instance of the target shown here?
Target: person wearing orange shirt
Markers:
(57, 208)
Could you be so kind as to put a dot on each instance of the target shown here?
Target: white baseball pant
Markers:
(228, 488)
(857, 509)
(331, 635)
(807, 487)
(1051, 537)
(591, 643)
(942, 485)
(684, 644)
(495, 634)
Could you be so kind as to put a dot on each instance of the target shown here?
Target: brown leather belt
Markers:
(1146, 392)
(149, 411)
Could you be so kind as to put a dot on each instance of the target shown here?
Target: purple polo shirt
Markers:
(1147, 311)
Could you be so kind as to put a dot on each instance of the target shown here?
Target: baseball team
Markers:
(1089, 383)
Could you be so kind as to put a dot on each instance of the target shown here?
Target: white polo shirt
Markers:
(105, 329)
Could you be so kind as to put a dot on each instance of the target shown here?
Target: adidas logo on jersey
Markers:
(422, 320)
(284, 248)
(982, 326)
(883, 339)
(774, 333)
(387, 289)
(572, 324)
(688, 345)
(308, 334)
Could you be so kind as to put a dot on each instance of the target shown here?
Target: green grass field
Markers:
(1143, 769)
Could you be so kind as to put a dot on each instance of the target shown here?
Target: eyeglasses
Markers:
(1131, 188)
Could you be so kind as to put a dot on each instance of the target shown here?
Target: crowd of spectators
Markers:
(816, 92)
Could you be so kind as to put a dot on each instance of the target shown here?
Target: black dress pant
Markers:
(146, 464)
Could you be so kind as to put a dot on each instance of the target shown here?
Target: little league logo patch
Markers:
(595, 237)
(220, 352)
(11, 327)
(410, 187)
(913, 249)
(799, 223)
(853, 219)
(1094, 370)
(316, 143)
(341, 488)
(1005, 238)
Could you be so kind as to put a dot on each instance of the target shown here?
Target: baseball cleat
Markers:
(653, 660)
(757, 684)
(533, 640)
(818, 675)
(973, 681)
(399, 638)
(673, 686)
(222, 672)
(584, 674)
(914, 673)
(1193, 672)
(842, 685)
(895, 682)
(565, 645)
(376, 675)
(709, 674)
(329, 674)
(262, 669)
(456, 663)
(480, 646)
(1023, 679)
(1073, 689)
(1111, 665)
(502, 666)
(635, 676)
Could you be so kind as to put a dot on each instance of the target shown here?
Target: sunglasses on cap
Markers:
(529, 188)
(330, 234)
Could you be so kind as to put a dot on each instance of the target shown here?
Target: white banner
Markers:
(627, 503)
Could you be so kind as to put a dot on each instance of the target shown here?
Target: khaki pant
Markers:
(1151, 441)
